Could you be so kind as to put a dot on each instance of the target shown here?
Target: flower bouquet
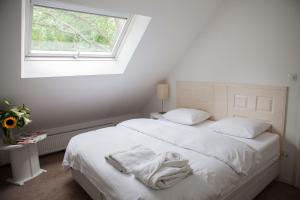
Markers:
(13, 117)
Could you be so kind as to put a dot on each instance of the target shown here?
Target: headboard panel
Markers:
(265, 103)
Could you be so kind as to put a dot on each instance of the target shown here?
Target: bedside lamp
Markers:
(162, 94)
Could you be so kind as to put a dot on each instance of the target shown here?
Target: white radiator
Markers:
(59, 141)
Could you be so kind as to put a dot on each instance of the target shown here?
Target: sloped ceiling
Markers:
(67, 100)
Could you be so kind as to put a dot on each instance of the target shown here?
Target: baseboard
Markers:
(58, 138)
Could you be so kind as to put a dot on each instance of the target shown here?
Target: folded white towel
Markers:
(163, 171)
(125, 160)
(156, 171)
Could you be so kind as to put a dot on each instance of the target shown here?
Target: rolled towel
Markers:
(163, 171)
(125, 160)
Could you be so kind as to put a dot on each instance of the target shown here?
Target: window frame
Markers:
(69, 55)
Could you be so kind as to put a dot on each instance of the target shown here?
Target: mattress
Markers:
(113, 184)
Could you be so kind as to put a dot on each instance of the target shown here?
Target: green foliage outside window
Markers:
(62, 30)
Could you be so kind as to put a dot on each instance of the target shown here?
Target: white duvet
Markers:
(217, 161)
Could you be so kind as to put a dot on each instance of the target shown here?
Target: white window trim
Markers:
(64, 55)
(37, 68)
(80, 8)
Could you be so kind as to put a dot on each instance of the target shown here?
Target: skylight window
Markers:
(58, 32)
(68, 39)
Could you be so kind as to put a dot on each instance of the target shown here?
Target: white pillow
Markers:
(240, 127)
(186, 116)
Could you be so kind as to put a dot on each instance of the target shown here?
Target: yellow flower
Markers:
(9, 122)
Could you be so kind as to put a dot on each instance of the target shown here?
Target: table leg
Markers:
(25, 164)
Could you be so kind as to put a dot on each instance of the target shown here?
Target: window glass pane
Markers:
(69, 31)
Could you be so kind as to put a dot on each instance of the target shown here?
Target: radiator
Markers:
(59, 141)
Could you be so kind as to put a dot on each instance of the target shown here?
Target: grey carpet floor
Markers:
(58, 185)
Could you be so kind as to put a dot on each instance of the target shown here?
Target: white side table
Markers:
(156, 115)
(25, 164)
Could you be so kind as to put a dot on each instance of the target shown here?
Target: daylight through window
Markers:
(64, 33)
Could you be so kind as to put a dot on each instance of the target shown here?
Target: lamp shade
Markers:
(163, 91)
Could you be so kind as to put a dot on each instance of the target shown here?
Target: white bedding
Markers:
(212, 178)
(237, 155)
(267, 144)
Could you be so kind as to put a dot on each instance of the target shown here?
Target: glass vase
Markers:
(8, 137)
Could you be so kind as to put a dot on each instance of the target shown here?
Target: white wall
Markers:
(297, 166)
(68, 100)
(253, 42)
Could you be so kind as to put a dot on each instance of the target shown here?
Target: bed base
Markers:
(251, 188)
(92, 191)
(247, 191)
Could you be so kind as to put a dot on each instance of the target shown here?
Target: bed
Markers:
(212, 178)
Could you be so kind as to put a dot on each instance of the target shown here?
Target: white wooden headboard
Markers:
(267, 103)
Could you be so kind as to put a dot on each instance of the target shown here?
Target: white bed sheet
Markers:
(119, 186)
(267, 144)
